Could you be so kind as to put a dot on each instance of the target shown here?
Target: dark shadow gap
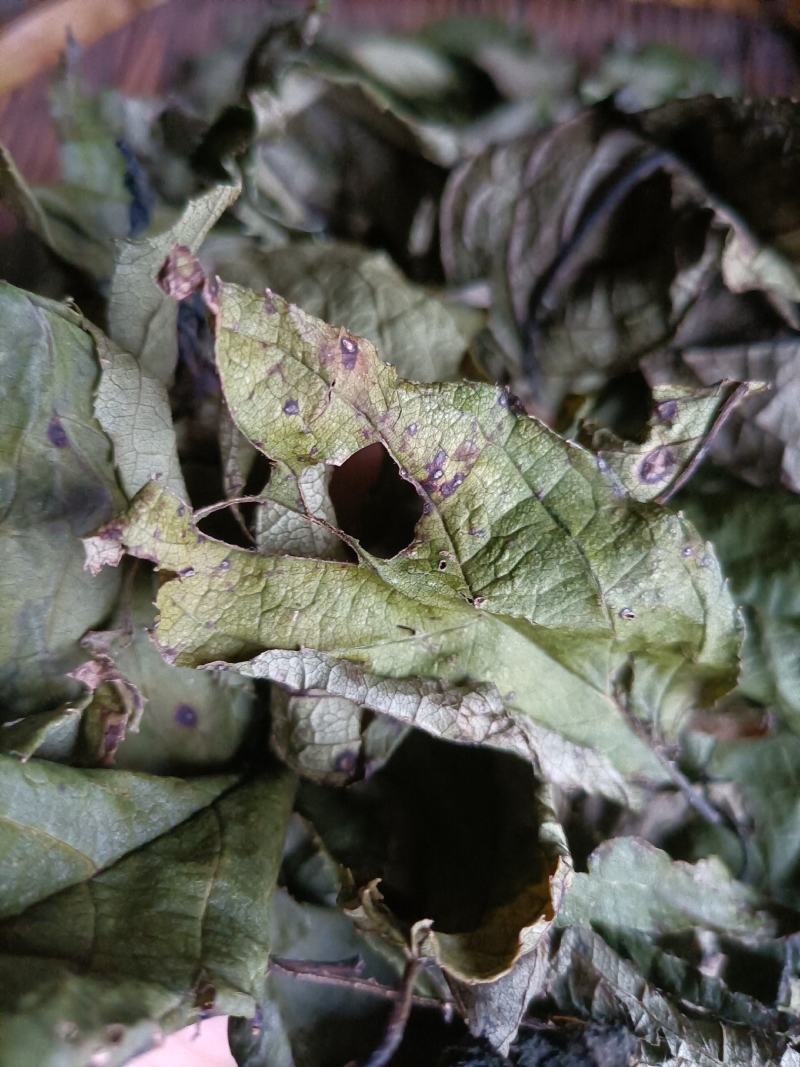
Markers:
(373, 503)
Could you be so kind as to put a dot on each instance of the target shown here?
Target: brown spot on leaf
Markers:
(181, 273)
(657, 465)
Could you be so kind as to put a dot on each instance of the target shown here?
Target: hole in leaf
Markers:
(373, 503)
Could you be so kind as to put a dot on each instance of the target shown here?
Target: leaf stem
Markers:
(202, 513)
(697, 800)
(347, 977)
(396, 1026)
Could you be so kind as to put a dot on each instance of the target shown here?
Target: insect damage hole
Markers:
(374, 503)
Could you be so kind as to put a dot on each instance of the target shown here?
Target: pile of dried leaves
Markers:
(400, 568)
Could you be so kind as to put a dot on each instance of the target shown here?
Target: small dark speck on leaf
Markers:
(507, 399)
(657, 465)
(667, 410)
(291, 407)
(687, 551)
(224, 565)
(442, 565)
(412, 429)
(478, 601)
(115, 1033)
(627, 613)
(56, 434)
(185, 715)
(186, 572)
(269, 303)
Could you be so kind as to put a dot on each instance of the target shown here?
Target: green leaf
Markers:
(133, 408)
(766, 776)
(57, 483)
(362, 291)
(510, 579)
(319, 737)
(754, 533)
(179, 923)
(632, 886)
(51, 735)
(142, 318)
(297, 517)
(677, 434)
(191, 721)
(760, 442)
(61, 826)
(587, 976)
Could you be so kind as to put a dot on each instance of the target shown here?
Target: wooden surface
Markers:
(144, 53)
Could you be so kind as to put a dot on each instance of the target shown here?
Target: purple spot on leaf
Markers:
(291, 407)
(448, 488)
(56, 434)
(657, 465)
(349, 352)
(346, 762)
(185, 715)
